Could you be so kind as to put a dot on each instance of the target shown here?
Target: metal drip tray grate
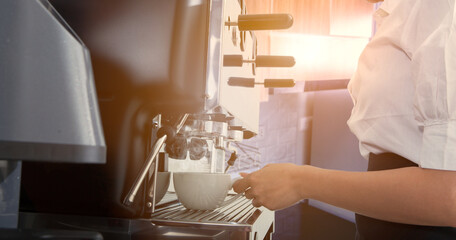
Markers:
(238, 214)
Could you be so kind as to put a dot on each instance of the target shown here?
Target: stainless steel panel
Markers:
(10, 184)
(48, 104)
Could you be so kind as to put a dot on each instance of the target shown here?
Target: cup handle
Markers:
(234, 180)
(235, 197)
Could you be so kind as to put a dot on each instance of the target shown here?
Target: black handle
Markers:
(279, 83)
(268, 83)
(275, 61)
(241, 82)
(250, 22)
(260, 61)
(232, 60)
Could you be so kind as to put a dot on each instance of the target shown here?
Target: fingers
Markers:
(249, 194)
(242, 184)
(256, 203)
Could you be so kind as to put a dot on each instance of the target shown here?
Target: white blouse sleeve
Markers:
(429, 38)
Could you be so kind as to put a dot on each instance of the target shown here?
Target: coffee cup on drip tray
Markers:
(201, 190)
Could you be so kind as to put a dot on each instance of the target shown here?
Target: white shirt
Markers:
(404, 90)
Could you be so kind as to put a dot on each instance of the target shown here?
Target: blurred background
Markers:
(306, 124)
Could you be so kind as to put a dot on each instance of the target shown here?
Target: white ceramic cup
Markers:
(202, 191)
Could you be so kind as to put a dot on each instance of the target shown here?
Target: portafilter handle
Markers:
(130, 198)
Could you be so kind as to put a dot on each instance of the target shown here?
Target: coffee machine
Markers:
(176, 86)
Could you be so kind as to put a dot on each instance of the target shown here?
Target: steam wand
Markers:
(130, 198)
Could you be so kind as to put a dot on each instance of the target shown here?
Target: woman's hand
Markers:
(275, 186)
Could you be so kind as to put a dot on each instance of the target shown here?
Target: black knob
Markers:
(177, 149)
(274, 61)
(198, 148)
(250, 22)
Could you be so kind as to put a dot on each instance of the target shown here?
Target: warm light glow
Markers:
(357, 25)
(317, 57)
(351, 18)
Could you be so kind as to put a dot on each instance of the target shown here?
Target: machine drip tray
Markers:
(240, 214)
(171, 220)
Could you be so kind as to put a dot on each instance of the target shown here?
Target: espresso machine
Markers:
(176, 88)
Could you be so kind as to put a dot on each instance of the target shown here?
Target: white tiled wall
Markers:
(282, 136)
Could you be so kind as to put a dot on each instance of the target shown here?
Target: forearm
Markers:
(407, 195)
